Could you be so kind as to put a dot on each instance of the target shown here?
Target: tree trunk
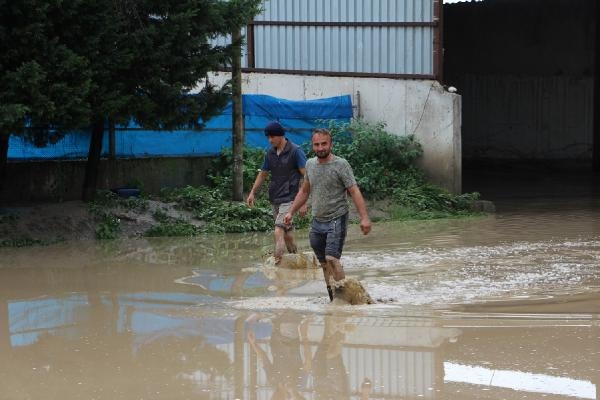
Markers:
(3, 158)
(112, 147)
(93, 162)
(238, 119)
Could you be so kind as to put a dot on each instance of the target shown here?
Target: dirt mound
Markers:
(47, 222)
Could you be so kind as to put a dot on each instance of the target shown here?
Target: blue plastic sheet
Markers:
(299, 118)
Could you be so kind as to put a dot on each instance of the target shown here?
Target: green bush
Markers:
(384, 167)
(379, 159)
(191, 198)
(221, 215)
(221, 171)
(383, 163)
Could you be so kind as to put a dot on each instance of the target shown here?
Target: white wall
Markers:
(418, 107)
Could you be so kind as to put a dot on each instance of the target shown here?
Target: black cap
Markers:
(274, 128)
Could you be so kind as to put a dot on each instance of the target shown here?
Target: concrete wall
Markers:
(418, 107)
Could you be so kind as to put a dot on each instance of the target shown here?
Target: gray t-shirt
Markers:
(328, 187)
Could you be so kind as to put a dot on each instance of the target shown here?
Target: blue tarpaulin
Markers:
(299, 118)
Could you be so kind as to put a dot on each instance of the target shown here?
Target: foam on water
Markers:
(453, 276)
(471, 274)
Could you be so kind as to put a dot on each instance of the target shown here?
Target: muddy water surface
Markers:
(499, 307)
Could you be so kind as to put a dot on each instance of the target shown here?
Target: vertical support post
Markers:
(237, 118)
(250, 45)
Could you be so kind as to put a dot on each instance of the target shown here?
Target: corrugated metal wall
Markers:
(388, 38)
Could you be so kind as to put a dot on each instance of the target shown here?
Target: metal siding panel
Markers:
(329, 54)
(297, 46)
(334, 51)
(419, 15)
(319, 47)
(345, 60)
(366, 12)
(311, 46)
(403, 53)
(410, 51)
(259, 40)
(392, 50)
(418, 41)
(303, 11)
(368, 49)
(336, 11)
(360, 45)
(409, 8)
(428, 50)
(383, 56)
(273, 55)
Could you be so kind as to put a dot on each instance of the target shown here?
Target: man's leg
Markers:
(327, 275)
(283, 236)
(318, 241)
(336, 268)
(279, 244)
(289, 241)
(336, 236)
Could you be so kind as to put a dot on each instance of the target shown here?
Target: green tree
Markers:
(143, 60)
(43, 83)
(147, 59)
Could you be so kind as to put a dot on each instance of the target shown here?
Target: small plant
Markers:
(220, 215)
(191, 198)
(108, 228)
(161, 216)
(8, 218)
(107, 199)
(236, 217)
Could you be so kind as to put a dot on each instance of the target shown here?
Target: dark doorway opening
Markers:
(527, 73)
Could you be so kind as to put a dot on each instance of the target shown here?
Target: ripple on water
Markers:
(462, 275)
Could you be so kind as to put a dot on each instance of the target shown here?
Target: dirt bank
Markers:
(73, 220)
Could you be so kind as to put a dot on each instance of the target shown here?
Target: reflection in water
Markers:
(501, 307)
(517, 380)
(169, 346)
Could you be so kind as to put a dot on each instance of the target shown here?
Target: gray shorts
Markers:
(279, 211)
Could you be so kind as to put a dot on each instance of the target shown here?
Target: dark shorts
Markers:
(327, 238)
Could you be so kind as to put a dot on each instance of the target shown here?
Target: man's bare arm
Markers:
(260, 178)
(299, 201)
(361, 207)
(304, 209)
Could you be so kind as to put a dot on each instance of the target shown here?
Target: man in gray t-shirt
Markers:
(327, 181)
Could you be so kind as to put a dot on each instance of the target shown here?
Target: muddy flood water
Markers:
(505, 306)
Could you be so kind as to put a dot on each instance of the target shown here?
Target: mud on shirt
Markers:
(328, 187)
